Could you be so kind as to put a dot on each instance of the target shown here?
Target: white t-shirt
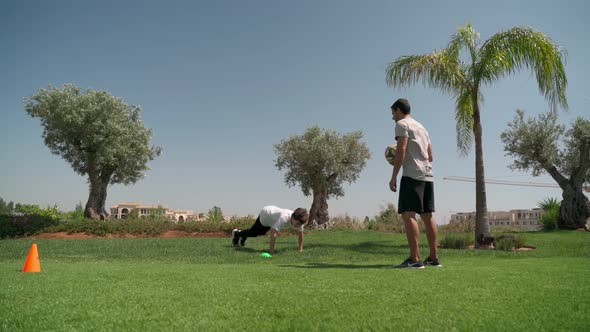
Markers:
(276, 218)
(416, 164)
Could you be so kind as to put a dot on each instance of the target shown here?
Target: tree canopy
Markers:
(540, 144)
(322, 160)
(94, 131)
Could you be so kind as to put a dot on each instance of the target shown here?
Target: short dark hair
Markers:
(403, 105)
(301, 215)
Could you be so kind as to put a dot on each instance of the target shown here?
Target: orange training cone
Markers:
(32, 264)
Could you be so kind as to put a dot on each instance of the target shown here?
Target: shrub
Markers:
(208, 226)
(7, 227)
(549, 203)
(77, 224)
(31, 210)
(388, 220)
(153, 225)
(508, 229)
(347, 222)
(550, 214)
(508, 242)
(462, 226)
(139, 226)
(27, 220)
(457, 241)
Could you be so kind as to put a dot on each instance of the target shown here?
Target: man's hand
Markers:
(393, 184)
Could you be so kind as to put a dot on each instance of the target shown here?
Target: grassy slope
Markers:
(340, 282)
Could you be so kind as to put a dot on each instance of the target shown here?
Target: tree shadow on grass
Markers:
(339, 266)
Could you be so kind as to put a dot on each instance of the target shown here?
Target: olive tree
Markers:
(100, 135)
(320, 161)
(535, 145)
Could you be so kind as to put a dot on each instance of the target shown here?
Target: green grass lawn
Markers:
(341, 282)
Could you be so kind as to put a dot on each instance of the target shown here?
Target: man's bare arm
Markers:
(301, 242)
(400, 154)
(273, 238)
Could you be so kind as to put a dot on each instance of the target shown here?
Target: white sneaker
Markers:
(234, 237)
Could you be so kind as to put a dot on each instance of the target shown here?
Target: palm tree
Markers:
(501, 55)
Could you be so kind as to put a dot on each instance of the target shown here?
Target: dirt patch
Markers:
(524, 248)
(62, 235)
(175, 234)
(487, 247)
(166, 235)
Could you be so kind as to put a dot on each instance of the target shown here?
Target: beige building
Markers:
(525, 219)
(122, 211)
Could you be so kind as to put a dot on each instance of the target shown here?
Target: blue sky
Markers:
(220, 82)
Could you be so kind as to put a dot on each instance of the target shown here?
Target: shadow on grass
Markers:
(368, 247)
(248, 250)
(339, 266)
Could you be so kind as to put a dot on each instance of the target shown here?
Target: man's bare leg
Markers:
(431, 234)
(412, 233)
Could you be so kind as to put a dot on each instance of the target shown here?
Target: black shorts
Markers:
(415, 196)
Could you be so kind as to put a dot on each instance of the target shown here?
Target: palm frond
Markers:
(509, 51)
(464, 121)
(464, 37)
(438, 70)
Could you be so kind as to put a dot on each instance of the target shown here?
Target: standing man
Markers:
(416, 196)
(273, 218)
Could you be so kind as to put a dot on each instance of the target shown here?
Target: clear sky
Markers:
(220, 82)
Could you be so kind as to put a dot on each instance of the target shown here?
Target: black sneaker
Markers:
(409, 263)
(242, 241)
(432, 262)
(234, 237)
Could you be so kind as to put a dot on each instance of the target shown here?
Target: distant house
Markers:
(525, 219)
(122, 211)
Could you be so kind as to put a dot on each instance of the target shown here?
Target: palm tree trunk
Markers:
(318, 214)
(482, 227)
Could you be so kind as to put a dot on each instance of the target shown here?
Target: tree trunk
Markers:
(574, 212)
(575, 209)
(95, 208)
(318, 213)
(482, 227)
